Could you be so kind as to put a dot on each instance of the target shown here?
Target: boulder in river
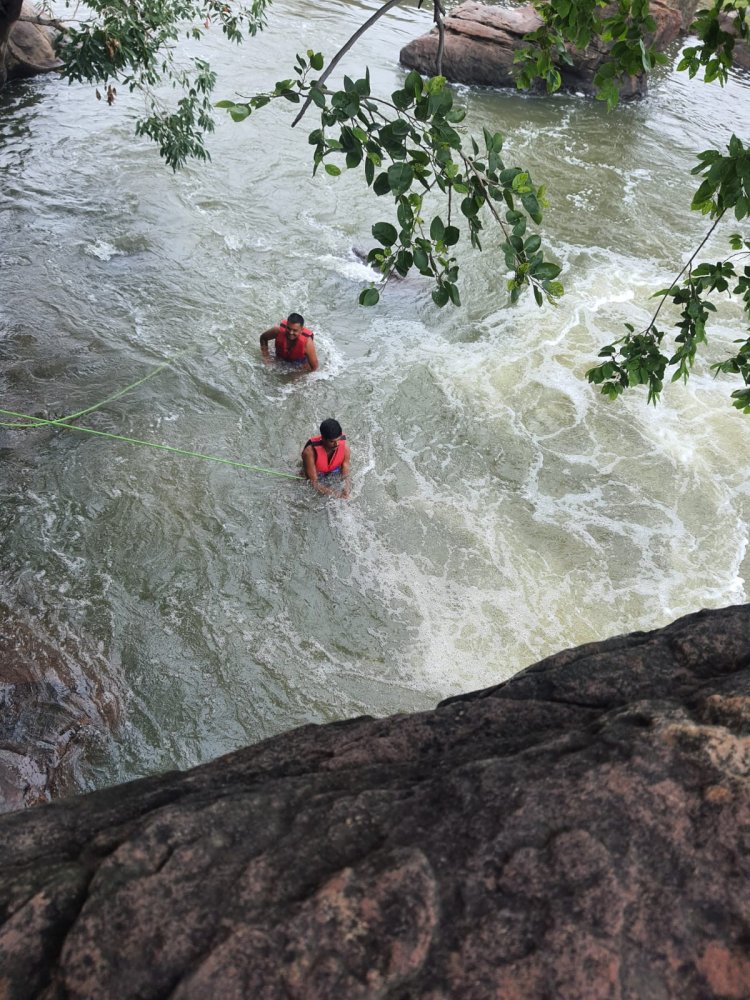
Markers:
(481, 42)
(578, 832)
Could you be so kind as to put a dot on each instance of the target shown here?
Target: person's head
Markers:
(330, 429)
(294, 324)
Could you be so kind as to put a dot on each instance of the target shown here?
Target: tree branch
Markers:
(685, 268)
(345, 48)
(45, 22)
(437, 12)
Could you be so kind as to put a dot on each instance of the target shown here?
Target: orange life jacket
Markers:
(323, 464)
(287, 351)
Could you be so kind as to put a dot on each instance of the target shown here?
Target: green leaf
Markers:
(532, 244)
(332, 169)
(545, 270)
(385, 233)
(440, 296)
(437, 229)
(530, 203)
(435, 84)
(369, 297)
(421, 260)
(413, 84)
(451, 236)
(362, 86)
(318, 97)
(402, 99)
(404, 261)
(404, 213)
(400, 176)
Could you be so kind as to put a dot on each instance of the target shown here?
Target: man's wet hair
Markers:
(295, 318)
(330, 429)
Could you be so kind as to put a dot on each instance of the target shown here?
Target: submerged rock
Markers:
(51, 712)
(578, 832)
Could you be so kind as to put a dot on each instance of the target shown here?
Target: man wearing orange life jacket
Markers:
(326, 457)
(293, 341)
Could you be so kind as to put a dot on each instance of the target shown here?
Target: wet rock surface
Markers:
(580, 831)
(52, 711)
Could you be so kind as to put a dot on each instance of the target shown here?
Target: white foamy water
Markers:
(501, 508)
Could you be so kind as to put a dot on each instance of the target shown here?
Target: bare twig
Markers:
(45, 22)
(488, 201)
(687, 267)
(438, 12)
(345, 48)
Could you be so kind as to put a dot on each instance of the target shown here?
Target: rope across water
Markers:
(26, 421)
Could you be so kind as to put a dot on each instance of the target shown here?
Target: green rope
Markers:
(147, 444)
(41, 422)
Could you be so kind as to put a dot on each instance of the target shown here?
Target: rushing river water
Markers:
(501, 508)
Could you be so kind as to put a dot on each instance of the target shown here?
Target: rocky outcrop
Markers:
(51, 713)
(26, 47)
(481, 42)
(579, 832)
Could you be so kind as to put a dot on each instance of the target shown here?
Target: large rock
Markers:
(481, 42)
(580, 832)
(26, 47)
(52, 711)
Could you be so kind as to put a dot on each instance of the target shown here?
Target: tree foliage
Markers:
(407, 146)
(411, 148)
(640, 358)
(133, 45)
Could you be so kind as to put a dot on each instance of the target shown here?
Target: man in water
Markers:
(293, 341)
(325, 459)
